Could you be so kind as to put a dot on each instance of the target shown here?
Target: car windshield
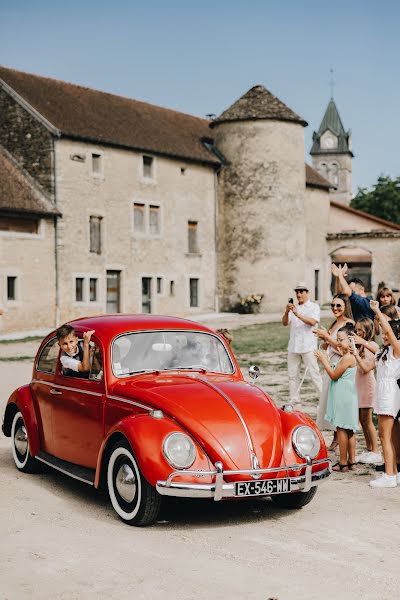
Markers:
(169, 350)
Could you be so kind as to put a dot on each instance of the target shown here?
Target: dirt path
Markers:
(60, 540)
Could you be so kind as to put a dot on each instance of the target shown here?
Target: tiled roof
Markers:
(18, 194)
(314, 179)
(104, 118)
(258, 103)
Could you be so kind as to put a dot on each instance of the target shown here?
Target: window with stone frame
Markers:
(154, 219)
(11, 287)
(193, 246)
(79, 283)
(93, 289)
(148, 167)
(194, 292)
(95, 234)
(139, 217)
(19, 225)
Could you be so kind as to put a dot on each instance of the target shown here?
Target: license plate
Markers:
(265, 487)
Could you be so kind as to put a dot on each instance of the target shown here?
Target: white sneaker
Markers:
(370, 458)
(384, 481)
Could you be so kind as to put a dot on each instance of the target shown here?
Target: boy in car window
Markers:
(75, 355)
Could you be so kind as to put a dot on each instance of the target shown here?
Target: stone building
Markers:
(108, 204)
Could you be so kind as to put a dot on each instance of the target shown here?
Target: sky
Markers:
(200, 56)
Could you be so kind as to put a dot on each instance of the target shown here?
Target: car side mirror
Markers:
(254, 372)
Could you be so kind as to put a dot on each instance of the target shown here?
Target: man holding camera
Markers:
(302, 342)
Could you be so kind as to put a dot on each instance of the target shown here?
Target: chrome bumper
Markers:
(220, 489)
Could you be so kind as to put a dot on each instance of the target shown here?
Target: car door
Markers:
(44, 392)
(78, 414)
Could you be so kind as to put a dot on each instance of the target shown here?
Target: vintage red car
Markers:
(164, 411)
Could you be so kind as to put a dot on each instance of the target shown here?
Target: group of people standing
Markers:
(348, 390)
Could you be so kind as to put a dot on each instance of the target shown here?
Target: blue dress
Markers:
(342, 407)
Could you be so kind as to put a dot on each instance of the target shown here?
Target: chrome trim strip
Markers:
(235, 408)
(63, 471)
(119, 399)
(64, 387)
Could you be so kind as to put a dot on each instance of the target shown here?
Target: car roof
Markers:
(107, 327)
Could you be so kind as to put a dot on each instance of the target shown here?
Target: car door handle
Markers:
(54, 391)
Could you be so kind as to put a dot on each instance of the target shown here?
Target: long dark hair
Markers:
(348, 314)
(395, 325)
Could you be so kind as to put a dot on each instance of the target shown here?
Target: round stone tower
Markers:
(261, 224)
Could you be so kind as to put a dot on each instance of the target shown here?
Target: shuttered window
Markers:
(193, 246)
(95, 235)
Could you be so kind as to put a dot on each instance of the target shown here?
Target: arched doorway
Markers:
(359, 262)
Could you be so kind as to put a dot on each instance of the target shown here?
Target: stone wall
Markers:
(317, 210)
(261, 210)
(27, 140)
(183, 191)
(29, 258)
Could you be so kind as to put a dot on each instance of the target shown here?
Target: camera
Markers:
(290, 300)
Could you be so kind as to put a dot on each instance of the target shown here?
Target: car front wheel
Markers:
(134, 500)
(20, 446)
(295, 499)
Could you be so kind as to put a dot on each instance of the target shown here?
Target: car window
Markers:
(96, 365)
(48, 357)
(169, 350)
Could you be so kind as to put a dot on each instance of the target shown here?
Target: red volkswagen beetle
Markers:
(164, 411)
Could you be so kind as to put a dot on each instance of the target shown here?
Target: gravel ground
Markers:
(60, 539)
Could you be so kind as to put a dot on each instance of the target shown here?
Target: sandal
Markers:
(340, 467)
(352, 466)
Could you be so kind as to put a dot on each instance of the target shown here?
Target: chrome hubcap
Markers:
(126, 483)
(21, 440)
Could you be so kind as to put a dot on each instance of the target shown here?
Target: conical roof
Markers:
(332, 121)
(258, 104)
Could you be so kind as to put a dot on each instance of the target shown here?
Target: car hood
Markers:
(227, 417)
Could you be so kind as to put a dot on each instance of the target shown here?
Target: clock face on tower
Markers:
(328, 142)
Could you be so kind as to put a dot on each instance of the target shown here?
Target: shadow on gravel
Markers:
(175, 513)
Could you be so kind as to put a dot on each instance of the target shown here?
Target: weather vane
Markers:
(332, 84)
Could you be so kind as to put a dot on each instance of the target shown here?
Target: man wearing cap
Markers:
(302, 342)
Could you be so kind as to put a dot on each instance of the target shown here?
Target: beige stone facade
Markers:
(157, 211)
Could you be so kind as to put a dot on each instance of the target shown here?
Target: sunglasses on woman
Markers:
(337, 305)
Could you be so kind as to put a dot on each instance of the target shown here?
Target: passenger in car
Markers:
(75, 355)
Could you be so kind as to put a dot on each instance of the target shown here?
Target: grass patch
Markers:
(266, 337)
(32, 338)
(16, 358)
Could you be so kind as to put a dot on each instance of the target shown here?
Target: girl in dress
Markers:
(342, 407)
(341, 310)
(366, 384)
(387, 395)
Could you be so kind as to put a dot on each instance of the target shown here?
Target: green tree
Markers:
(383, 200)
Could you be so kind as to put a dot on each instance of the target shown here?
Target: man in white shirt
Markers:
(302, 342)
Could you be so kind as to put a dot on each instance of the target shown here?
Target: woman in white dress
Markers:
(341, 310)
(387, 405)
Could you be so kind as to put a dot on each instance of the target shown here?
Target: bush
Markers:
(246, 305)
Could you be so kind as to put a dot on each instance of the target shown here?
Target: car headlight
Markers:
(306, 442)
(179, 450)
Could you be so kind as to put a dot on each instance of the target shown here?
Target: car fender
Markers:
(146, 435)
(21, 399)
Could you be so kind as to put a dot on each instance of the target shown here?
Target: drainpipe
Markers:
(216, 301)
(56, 258)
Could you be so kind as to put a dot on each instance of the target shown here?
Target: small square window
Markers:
(159, 285)
(79, 289)
(138, 217)
(93, 289)
(96, 163)
(154, 220)
(148, 163)
(11, 288)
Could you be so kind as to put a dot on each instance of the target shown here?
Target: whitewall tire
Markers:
(20, 446)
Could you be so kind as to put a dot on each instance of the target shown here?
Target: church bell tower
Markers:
(332, 154)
